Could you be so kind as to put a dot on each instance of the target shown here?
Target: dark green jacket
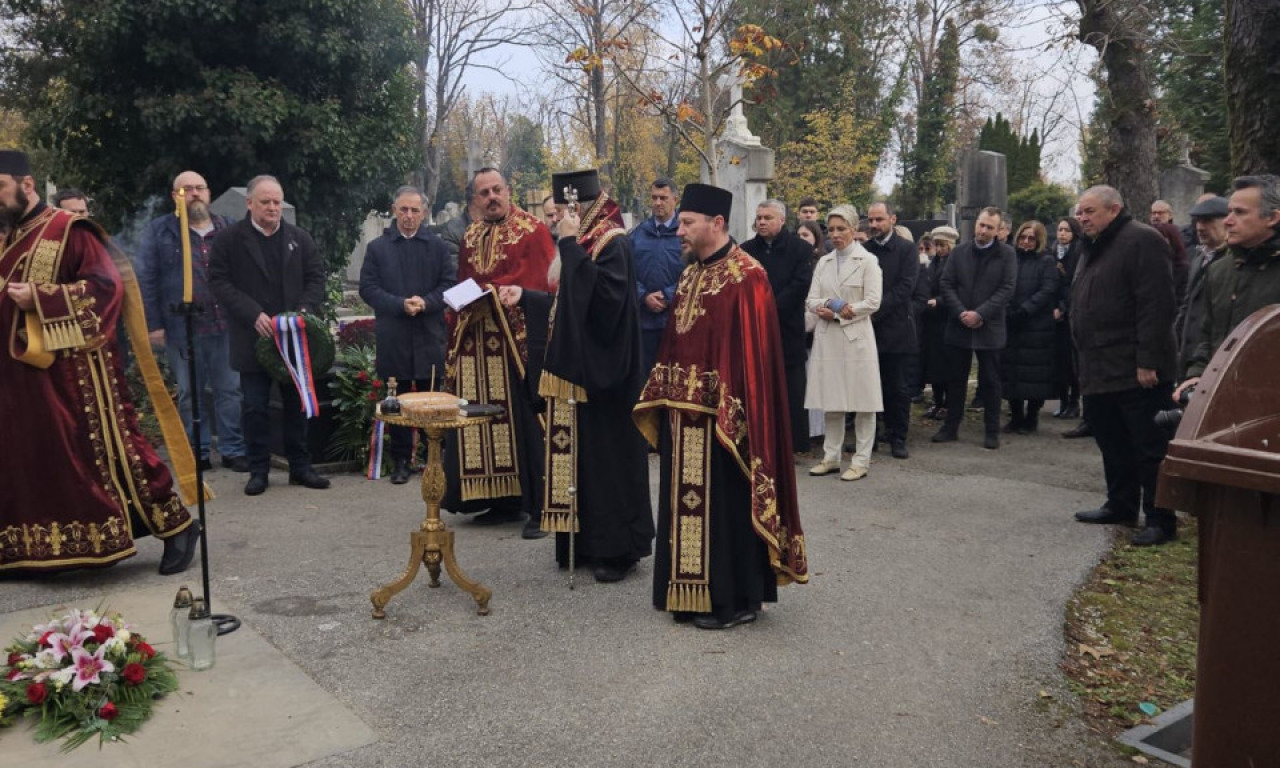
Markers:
(1237, 285)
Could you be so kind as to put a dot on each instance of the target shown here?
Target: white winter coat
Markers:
(844, 368)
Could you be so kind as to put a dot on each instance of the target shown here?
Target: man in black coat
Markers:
(977, 285)
(405, 274)
(894, 322)
(788, 261)
(1122, 308)
(260, 267)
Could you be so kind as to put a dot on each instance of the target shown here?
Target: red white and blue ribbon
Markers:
(291, 339)
(374, 471)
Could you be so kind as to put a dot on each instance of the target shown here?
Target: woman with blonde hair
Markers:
(1026, 365)
(844, 369)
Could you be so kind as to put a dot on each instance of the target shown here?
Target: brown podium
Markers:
(432, 543)
(1224, 466)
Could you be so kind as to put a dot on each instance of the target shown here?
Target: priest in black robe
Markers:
(715, 405)
(597, 467)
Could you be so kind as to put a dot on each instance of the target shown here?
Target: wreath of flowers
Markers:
(81, 675)
(319, 342)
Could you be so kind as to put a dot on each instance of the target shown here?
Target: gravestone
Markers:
(234, 205)
(1180, 186)
(370, 229)
(744, 165)
(983, 182)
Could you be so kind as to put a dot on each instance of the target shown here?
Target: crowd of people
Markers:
(727, 360)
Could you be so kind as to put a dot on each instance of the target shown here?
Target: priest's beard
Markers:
(11, 215)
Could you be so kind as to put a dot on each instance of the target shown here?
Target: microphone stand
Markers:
(225, 622)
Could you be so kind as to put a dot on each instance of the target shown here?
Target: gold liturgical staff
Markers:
(433, 542)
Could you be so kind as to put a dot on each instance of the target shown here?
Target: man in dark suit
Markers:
(977, 285)
(788, 261)
(894, 322)
(261, 267)
(404, 277)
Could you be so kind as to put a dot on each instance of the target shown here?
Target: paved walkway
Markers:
(931, 626)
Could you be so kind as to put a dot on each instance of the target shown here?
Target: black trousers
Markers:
(796, 382)
(1132, 448)
(895, 389)
(255, 421)
(958, 363)
(400, 439)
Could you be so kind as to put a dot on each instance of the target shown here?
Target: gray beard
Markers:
(198, 212)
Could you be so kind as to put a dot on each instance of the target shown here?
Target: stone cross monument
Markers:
(744, 165)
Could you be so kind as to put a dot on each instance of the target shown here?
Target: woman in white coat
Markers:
(844, 369)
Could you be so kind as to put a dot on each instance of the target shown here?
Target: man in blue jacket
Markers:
(656, 252)
(159, 267)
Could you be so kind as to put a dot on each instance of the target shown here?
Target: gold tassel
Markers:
(559, 522)
(551, 385)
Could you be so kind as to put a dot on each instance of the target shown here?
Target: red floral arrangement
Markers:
(83, 675)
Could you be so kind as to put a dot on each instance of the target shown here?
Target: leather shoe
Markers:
(1080, 430)
(824, 468)
(257, 484)
(612, 571)
(1072, 412)
(1153, 535)
(899, 449)
(1107, 516)
(400, 475)
(235, 463)
(709, 620)
(308, 478)
(944, 435)
(179, 550)
(533, 529)
(991, 442)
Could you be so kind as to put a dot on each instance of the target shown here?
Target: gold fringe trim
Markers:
(559, 522)
(694, 598)
(551, 385)
(494, 487)
(63, 334)
(171, 429)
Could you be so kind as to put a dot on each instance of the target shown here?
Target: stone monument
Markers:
(983, 182)
(1181, 185)
(370, 229)
(744, 165)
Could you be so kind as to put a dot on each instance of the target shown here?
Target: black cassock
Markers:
(595, 344)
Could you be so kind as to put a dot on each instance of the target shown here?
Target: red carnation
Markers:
(134, 673)
(377, 383)
(362, 377)
(37, 693)
(14, 658)
(103, 632)
(108, 711)
(145, 650)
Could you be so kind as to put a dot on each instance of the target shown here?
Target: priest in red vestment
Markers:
(79, 481)
(715, 405)
(494, 356)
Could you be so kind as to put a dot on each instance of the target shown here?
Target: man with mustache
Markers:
(715, 406)
(160, 269)
(79, 482)
(495, 356)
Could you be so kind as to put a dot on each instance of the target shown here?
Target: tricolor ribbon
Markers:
(374, 471)
(291, 339)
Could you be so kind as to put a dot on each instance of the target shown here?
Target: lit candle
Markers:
(186, 246)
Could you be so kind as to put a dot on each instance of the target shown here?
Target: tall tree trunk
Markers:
(1115, 28)
(1253, 104)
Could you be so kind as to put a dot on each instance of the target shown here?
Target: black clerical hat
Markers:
(586, 182)
(14, 162)
(707, 200)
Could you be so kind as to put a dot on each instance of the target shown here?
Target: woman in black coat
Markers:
(933, 353)
(1027, 361)
(1065, 254)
